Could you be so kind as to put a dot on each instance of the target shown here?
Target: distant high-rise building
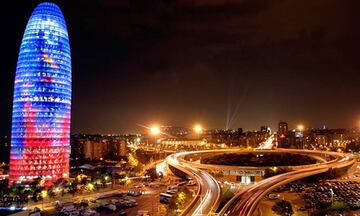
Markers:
(95, 149)
(265, 129)
(123, 151)
(282, 134)
(40, 138)
(117, 148)
(283, 128)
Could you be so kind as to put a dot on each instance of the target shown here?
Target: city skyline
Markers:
(180, 108)
(241, 65)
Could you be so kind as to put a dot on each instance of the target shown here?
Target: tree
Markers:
(36, 195)
(180, 199)
(59, 182)
(323, 204)
(339, 206)
(84, 181)
(283, 208)
(38, 182)
(269, 172)
(73, 188)
(163, 211)
(26, 193)
(3, 185)
(51, 192)
(227, 193)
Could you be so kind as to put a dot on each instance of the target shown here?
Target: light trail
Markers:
(207, 198)
(267, 144)
(244, 203)
(161, 168)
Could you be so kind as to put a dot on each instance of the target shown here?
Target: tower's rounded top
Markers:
(48, 8)
(47, 4)
(46, 15)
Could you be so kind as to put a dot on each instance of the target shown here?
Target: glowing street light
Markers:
(155, 130)
(198, 129)
(300, 127)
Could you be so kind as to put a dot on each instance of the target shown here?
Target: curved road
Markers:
(316, 155)
(245, 202)
(207, 199)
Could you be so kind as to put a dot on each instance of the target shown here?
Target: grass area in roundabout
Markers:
(259, 159)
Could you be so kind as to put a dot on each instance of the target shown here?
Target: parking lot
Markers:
(314, 193)
(138, 197)
(148, 201)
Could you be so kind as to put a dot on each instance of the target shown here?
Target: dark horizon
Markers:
(219, 63)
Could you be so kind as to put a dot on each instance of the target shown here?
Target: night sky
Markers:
(223, 63)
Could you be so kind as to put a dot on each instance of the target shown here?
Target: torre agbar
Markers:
(40, 139)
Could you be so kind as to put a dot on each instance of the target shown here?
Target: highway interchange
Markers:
(207, 199)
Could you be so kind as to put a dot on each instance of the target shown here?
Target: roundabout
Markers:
(245, 202)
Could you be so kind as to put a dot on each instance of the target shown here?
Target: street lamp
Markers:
(198, 129)
(155, 130)
(300, 127)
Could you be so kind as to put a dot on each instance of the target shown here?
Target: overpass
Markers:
(319, 156)
(244, 203)
(207, 197)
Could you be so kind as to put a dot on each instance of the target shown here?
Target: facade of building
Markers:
(183, 142)
(329, 138)
(283, 128)
(320, 139)
(122, 148)
(236, 137)
(265, 129)
(95, 149)
(40, 139)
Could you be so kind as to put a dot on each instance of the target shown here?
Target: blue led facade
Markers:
(40, 142)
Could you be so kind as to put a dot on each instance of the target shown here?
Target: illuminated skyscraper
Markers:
(42, 99)
(282, 135)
